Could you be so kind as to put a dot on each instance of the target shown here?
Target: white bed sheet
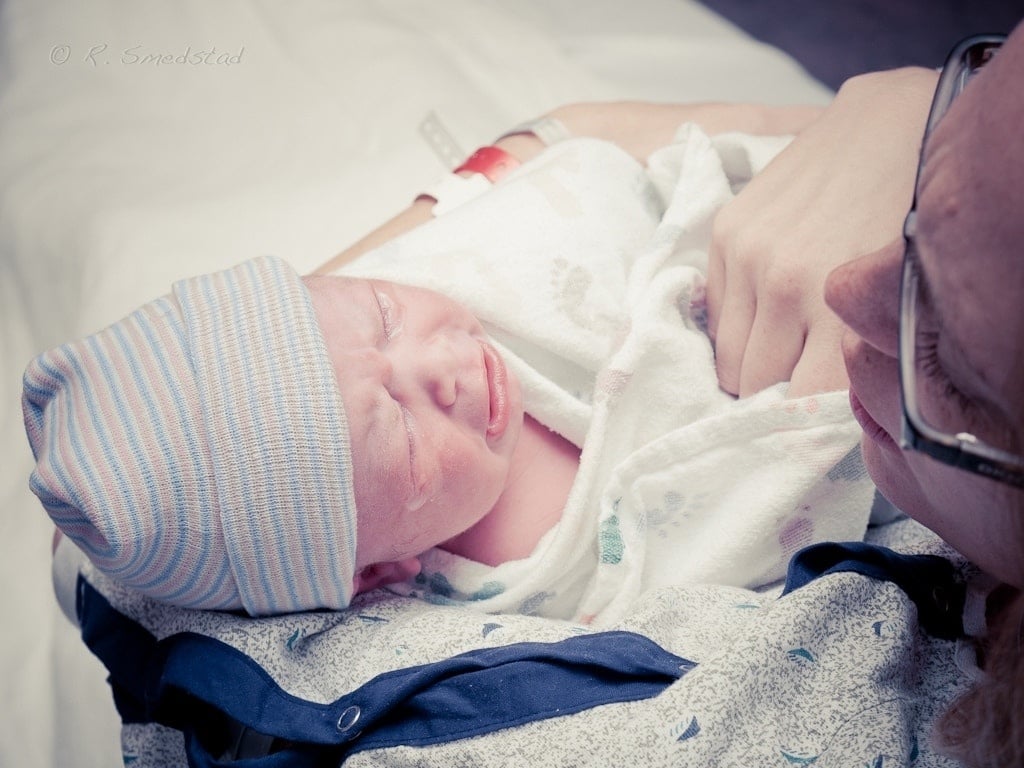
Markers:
(119, 175)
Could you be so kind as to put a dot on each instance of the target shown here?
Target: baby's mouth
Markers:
(497, 390)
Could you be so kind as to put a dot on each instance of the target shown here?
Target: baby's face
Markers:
(433, 413)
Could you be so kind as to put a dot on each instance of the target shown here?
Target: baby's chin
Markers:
(506, 443)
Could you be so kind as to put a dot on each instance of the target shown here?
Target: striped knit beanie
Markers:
(198, 450)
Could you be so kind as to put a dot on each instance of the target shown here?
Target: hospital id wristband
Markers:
(492, 162)
(453, 190)
(487, 164)
(550, 130)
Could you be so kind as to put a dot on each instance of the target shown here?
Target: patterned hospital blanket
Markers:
(836, 673)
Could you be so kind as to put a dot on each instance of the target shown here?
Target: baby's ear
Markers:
(381, 574)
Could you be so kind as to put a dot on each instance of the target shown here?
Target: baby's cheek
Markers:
(474, 480)
(375, 485)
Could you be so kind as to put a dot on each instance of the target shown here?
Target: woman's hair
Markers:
(985, 726)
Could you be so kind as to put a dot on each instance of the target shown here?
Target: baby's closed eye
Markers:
(391, 324)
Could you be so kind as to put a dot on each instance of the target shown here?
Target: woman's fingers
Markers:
(773, 350)
(820, 367)
(757, 301)
(731, 306)
(715, 287)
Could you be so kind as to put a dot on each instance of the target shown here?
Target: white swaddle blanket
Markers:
(587, 269)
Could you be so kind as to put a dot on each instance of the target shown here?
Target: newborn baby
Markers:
(260, 441)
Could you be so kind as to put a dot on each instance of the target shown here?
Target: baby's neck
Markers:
(544, 466)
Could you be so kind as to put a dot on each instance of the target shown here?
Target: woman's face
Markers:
(433, 413)
(970, 245)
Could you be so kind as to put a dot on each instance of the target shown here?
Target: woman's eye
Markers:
(927, 354)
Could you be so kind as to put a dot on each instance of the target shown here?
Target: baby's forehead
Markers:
(336, 291)
(346, 311)
(328, 283)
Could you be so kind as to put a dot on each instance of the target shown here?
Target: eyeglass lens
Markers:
(941, 402)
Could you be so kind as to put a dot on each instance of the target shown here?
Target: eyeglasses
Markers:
(943, 441)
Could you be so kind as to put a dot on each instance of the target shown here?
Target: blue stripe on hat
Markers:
(144, 578)
(268, 422)
(311, 441)
(272, 418)
(175, 384)
(115, 458)
(229, 419)
(251, 497)
(37, 394)
(158, 424)
(337, 426)
(68, 433)
(321, 455)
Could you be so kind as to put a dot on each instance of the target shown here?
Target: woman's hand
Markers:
(840, 190)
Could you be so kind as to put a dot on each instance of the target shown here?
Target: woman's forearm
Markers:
(637, 127)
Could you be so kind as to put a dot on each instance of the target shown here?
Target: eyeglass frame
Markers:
(962, 450)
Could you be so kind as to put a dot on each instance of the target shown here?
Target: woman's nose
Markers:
(865, 293)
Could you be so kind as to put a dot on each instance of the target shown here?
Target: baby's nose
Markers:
(443, 388)
(436, 370)
(440, 373)
(383, 369)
